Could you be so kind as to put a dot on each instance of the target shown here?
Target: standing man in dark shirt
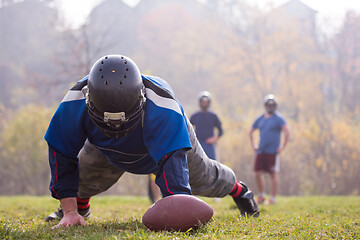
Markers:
(205, 122)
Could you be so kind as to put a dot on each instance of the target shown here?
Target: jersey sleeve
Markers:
(64, 181)
(165, 126)
(66, 135)
(173, 174)
(282, 122)
(218, 125)
(66, 131)
(255, 125)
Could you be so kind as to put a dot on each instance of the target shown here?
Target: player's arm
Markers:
(214, 139)
(64, 186)
(286, 131)
(64, 174)
(65, 136)
(173, 174)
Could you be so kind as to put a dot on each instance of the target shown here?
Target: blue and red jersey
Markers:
(158, 144)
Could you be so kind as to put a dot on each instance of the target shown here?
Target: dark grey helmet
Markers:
(115, 99)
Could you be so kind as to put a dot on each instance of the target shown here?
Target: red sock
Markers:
(83, 203)
(238, 190)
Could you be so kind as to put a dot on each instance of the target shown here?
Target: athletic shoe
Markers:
(260, 200)
(272, 201)
(59, 214)
(247, 204)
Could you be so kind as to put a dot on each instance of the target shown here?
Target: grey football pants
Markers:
(207, 177)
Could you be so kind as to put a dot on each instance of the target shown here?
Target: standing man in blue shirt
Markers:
(267, 160)
(205, 122)
(117, 120)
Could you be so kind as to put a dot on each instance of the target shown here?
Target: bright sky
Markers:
(75, 12)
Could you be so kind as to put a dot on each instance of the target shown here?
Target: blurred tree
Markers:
(23, 157)
(27, 35)
(347, 47)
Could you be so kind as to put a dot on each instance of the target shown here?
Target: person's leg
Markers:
(260, 181)
(274, 185)
(207, 178)
(96, 174)
(275, 178)
(210, 178)
(259, 177)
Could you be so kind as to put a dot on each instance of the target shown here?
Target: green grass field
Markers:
(120, 218)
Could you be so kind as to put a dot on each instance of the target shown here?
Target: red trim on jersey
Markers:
(167, 186)
(56, 176)
(52, 187)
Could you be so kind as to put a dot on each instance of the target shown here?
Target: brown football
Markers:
(177, 212)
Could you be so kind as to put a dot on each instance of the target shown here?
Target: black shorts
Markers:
(267, 162)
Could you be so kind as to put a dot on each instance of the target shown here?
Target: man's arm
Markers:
(173, 174)
(286, 132)
(254, 126)
(213, 139)
(219, 127)
(64, 186)
(251, 135)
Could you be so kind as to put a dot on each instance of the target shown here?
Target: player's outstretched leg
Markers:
(210, 178)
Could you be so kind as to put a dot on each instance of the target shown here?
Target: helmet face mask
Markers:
(115, 98)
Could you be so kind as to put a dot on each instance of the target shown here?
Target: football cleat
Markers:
(247, 204)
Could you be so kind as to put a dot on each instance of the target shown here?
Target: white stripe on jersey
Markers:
(73, 95)
(162, 101)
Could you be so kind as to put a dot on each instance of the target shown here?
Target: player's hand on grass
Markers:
(70, 218)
